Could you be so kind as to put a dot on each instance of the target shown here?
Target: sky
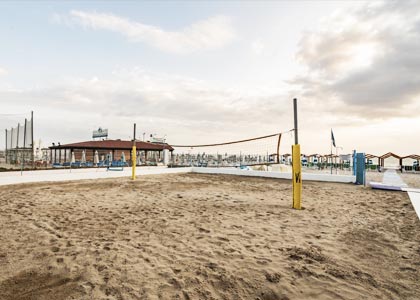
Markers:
(210, 72)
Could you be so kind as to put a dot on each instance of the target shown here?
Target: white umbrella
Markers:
(96, 158)
(123, 157)
(110, 156)
(83, 160)
(73, 159)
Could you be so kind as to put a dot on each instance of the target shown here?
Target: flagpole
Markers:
(336, 156)
(331, 151)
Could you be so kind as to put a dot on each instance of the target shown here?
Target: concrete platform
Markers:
(99, 173)
(391, 181)
(281, 175)
(415, 201)
(383, 186)
(7, 178)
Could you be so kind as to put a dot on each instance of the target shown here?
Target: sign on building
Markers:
(100, 133)
(158, 140)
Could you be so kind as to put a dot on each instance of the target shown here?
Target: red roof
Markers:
(113, 144)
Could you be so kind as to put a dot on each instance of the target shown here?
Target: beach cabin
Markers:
(304, 160)
(287, 159)
(313, 159)
(391, 160)
(329, 158)
(282, 159)
(410, 162)
(372, 162)
(345, 160)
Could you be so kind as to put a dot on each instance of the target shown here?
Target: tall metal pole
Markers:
(32, 138)
(5, 153)
(17, 143)
(296, 120)
(24, 145)
(331, 154)
(134, 156)
(11, 147)
(296, 164)
(336, 154)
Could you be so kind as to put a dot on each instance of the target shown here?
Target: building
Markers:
(2, 156)
(147, 153)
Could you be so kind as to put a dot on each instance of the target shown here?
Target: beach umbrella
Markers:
(73, 159)
(123, 157)
(96, 158)
(83, 157)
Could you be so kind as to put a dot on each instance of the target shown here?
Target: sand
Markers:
(195, 236)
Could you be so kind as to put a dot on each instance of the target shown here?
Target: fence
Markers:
(20, 144)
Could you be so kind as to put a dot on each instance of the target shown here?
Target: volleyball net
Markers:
(262, 150)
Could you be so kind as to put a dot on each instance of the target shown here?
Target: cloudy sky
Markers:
(203, 72)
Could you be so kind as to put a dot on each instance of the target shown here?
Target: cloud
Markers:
(367, 59)
(3, 71)
(186, 109)
(258, 47)
(212, 33)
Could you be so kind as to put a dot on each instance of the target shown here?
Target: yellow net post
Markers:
(296, 164)
(296, 177)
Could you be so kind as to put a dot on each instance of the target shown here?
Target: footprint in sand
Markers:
(55, 249)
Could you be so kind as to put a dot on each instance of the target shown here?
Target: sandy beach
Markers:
(195, 236)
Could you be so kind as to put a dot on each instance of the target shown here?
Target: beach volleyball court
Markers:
(202, 236)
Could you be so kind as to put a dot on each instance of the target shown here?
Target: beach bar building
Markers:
(114, 150)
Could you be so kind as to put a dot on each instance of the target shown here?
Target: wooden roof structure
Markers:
(413, 156)
(113, 145)
(314, 155)
(390, 154)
